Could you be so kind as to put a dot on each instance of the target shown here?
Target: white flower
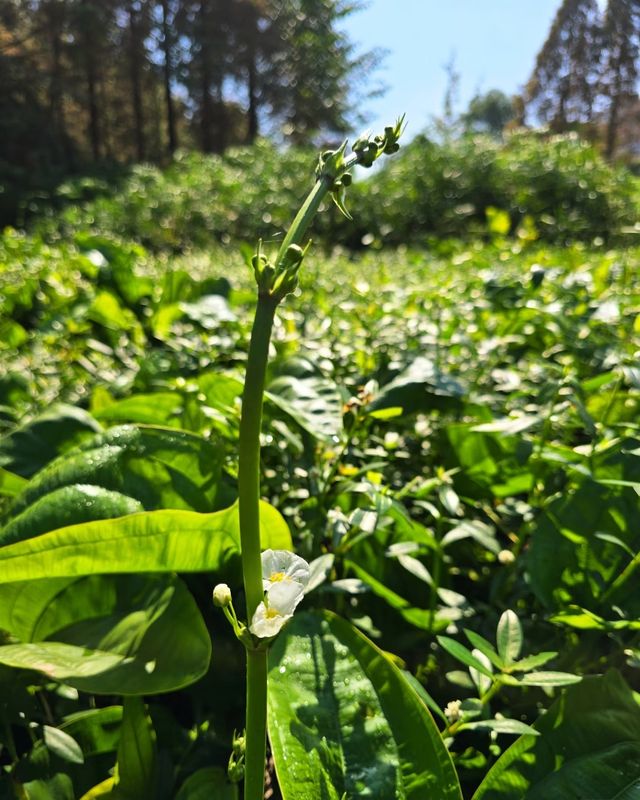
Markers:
(282, 566)
(278, 607)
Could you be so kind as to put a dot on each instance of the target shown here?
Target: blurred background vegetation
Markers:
(167, 120)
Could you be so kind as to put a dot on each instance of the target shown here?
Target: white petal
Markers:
(283, 566)
(284, 596)
(267, 622)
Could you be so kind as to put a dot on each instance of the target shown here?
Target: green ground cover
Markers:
(451, 439)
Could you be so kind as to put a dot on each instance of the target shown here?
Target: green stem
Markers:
(256, 743)
(249, 452)
(307, 212)
(249, 499)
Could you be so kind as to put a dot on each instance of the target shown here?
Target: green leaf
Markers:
(157, 408)
(588, 747)
(152, 541)
(136, 765)
(473, 529)
(10, 483)
(62, 744)
(68, 505)
(509, 637)
(343, 719)
(314, 403)
(513, 726)
(58, 787)
(533, 661)
(462, 654)
(422, 386)
(28, 448)
(419, 617)
(96, 731)
(209, 783)
(113, 634)
(481, 644)
(158, 467)
(548, 679)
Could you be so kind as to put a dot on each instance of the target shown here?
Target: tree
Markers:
(489, 112)
(167, 42)
(313, 75)
(563, 87)
(619, 78)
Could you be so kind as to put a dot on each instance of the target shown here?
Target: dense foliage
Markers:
(452, 439)
(94, 83)
(529, 188)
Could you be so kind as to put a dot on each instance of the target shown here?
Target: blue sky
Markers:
(494, 42)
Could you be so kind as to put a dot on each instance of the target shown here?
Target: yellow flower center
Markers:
(277, 576)
(272, 613)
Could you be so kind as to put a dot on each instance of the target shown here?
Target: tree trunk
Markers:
(252, 85)
(135, 46)
(168, 74)
(55, 83)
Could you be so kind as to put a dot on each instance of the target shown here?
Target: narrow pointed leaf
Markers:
(462, 654)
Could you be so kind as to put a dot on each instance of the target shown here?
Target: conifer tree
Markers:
(563, 87)
(619, 80)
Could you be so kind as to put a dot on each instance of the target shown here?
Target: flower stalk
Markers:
(275, 280)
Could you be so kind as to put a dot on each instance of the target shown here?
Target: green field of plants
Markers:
(450, 440)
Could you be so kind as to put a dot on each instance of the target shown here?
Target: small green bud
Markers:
(235, 770)
(292, 257)
(222, 595)
(238, 744)
(258, 262)
(347, 179)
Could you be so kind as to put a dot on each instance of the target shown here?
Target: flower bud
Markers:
(222, 595)
(292, 258)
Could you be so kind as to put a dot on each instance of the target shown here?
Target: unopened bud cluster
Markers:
(282, 278)
(333, 165)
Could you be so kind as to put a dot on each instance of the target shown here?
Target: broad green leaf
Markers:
(209, 783)
(58, 787)
(96, 731)
(462, 654)
(68, 505)
(158, 467)
(152, 541)
(58, 661)
(158, 408)
(62, 744)
(344, 721)
(116, 635)
(509, 637)
(136, 767)
(28, 448)
(10, 483)
(422, 386)
(588, 747)
(314, 403)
